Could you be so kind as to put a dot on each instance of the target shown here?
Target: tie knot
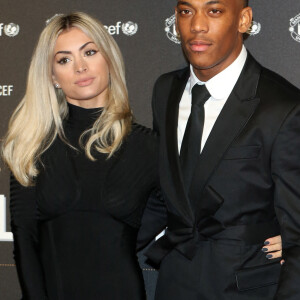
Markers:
(200, 95)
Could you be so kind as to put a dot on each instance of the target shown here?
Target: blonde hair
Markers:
(37, 120)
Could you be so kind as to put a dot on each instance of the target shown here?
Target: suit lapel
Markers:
(234, 116)
(179, 197)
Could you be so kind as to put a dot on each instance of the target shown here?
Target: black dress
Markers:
(75, 230)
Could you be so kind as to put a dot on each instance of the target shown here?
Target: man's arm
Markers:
(154, 109)
(285, 166)
(155, 214)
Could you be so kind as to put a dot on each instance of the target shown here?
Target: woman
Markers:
(82, 172)
(75, 155)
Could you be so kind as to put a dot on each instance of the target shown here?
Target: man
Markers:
(229, 164)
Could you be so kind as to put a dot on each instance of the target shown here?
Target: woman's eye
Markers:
(90, 52)
(63, 60)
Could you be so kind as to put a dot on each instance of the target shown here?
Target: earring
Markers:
(56, 85)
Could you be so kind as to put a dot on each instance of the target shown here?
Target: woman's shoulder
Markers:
(140, 144)
(138, 129)
(142, 138)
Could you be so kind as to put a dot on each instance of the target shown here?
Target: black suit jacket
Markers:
(246, 183)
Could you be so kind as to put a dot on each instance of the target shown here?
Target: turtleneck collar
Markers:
(82, 117)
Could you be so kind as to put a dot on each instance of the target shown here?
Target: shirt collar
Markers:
(222, 84)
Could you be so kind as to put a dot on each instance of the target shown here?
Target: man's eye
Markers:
(63, 60)
(90, 52)
(184, 12)
(215, 11)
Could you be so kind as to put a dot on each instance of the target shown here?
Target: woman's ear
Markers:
(55, 83)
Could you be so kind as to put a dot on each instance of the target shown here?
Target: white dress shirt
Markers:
(219, 87)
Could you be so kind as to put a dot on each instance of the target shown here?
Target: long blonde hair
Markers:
(38, 118)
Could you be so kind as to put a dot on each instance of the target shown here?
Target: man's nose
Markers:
(199, 22)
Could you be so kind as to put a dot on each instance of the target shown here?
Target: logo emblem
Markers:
(295, 28)
(11, 29)
(129, 28)
(170, 29)
(255, 28)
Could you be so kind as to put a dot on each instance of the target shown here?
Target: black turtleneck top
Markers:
(75, 230)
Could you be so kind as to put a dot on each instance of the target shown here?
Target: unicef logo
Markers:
(255, 28)
(11, 29)
(170, 29)
(295, 28)
(129, 28)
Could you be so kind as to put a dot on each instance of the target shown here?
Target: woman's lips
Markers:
(85, 81)
(199, 46)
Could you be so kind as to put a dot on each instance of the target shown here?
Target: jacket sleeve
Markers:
(285, 165)
(154, 109)
(154, 220)
(26, 244)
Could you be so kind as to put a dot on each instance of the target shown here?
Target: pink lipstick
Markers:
(85, 81)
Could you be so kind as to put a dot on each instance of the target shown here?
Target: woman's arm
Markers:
(154, 219)
(273, 248)
(26, 246)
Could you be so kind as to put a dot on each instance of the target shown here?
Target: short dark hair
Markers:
(246, 3)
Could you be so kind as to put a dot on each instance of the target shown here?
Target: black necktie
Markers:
(191, 143)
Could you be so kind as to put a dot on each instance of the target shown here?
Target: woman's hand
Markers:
(273, 248)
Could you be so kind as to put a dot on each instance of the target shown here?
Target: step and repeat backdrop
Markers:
(145, 32)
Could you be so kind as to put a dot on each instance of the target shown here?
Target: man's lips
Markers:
(199, 46)
(85, 81)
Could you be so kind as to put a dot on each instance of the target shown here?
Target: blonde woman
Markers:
(82, 171)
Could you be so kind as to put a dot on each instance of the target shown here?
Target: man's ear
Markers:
(245, 19)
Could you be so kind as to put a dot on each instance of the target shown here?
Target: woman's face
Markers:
(80, 70)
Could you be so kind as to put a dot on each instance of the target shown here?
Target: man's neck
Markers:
(206, 74)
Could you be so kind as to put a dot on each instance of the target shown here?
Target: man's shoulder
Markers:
(278, 85)
(168, 77)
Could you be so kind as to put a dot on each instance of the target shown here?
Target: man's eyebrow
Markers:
(69, 52)
(183, 3)
(215, 2)
(207, 3)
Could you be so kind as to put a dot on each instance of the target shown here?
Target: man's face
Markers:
(211, 32)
